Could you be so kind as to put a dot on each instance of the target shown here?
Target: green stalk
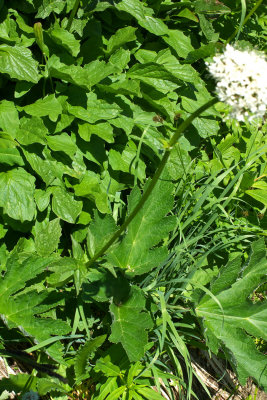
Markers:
(252, 11)
(178, 133)
(72, 14)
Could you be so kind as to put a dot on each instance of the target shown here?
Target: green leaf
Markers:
(9, 117)
(91, 188)
(49, 105)
(95, 111)
(20, 310)
(9, 154)
(50, 6)
(125, 161)
(17, 62)
(144, 16)
(148, 228)
(233, 318)
(121, 37)
(99, 232)
(86, 76)
(155, 75)
(130, 324)
(107, 368)
(66, 39)
(259, 195)
(212, 7)
(16, 194)
(32, 130)
(47, 235)
(17, 383)
(103, 130)
(180, 43)
(62, 142)
(65, 206)
(84, 353)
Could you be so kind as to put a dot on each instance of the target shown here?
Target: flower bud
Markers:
(38, 32)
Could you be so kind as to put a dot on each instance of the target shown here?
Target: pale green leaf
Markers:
(50, 6)
(62, 142)
(9, 118)
(49, 106)
(16, 194)
(66, 39)
(259, 195)
(47, 235)
(32, 130)
(180, 43)
(96, 110)
(17, 62)
(103, 130)
(65, 206)
(121, 37)
(130, 324)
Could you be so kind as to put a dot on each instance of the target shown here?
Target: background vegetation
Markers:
(91, 92)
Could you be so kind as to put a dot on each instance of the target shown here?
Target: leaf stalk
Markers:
(72, 14)
(178, 133)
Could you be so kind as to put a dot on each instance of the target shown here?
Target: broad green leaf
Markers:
(42, 199)
(9, 118)
(155, 75)
(47, 235)
(16, 194)
(95, 111)
(232, 318)
(62, 142)
(99, 232)
(86, 76)
(103, 130)
(107, 368)
(125, 161)
(65, 206)
(180, 43)
(49, 106)
(9, 154)
(50, 6)
(130, 324)
(121, 37)
(66, 39)
(32, 130)
(91, 188)
(84, 353)
(144, 16)
(182, 72)
(211, 6)
(17, 62)
(20, 310)
(134, 254)
(259, 195)
(178, 163)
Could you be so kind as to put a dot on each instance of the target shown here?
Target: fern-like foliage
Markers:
(22, 309)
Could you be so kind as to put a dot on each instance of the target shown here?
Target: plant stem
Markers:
(245, 20)
(178, 133)
(73, 13)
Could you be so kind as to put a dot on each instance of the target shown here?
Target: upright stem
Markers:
(72, 14)
(245, 20)
(178, 133)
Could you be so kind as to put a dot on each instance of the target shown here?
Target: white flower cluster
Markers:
(241, 82)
